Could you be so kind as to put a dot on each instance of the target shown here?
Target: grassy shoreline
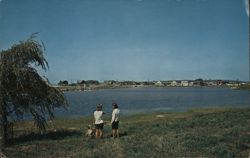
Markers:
(195, 133)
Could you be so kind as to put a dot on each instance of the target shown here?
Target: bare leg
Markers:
(117, 133)
(101, 133)
(113, 132)
(98, 133)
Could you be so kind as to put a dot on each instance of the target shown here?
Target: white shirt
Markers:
(98, 117)
(115, 115)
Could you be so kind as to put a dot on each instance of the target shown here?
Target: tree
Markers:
(63, 83)
(199, 82)
(23, 90)
(92, 82)
(82, 82)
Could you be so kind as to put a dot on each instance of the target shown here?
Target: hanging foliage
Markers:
(22, 90)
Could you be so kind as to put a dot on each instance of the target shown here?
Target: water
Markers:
(137, 100)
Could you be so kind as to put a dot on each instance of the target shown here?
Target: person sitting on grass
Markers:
(115, 120)
(90, 132)
(98, 121)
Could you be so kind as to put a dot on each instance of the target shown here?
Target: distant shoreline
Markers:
(101, 87)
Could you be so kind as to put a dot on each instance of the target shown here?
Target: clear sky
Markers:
(133, 39)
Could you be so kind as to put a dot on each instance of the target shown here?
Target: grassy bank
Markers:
(196, 133)
(245, 87)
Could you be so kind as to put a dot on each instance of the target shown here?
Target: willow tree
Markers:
(22, 90)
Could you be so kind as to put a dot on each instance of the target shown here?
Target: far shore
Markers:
(100, 87)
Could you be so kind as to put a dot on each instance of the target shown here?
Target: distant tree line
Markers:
(82, 82)
(196, 82)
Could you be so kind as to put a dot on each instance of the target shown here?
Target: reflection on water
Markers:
(136, 100)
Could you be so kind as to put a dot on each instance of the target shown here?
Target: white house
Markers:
(158, 83)
(173, 83)
(191, 84)
(184, 83)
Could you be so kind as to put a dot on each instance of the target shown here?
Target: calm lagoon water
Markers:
(141, 100)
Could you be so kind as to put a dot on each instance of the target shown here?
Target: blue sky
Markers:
(133, 39)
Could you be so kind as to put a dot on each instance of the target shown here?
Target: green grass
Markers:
(196, 133)
(246, 87)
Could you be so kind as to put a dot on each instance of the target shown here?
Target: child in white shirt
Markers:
(98, 121)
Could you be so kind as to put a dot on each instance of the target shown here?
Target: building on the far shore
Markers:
(191, 83)
(158, 84)
(173, 83)
(184, 83)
